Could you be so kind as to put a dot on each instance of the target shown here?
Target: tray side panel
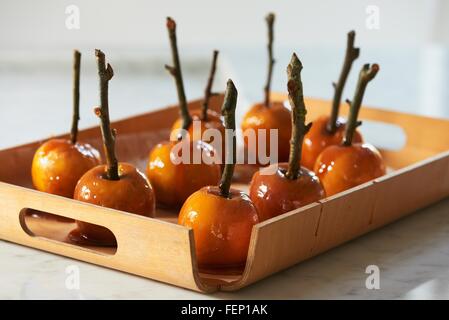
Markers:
(146, 247)
(345, 216)
(411, 189)
(279, 243)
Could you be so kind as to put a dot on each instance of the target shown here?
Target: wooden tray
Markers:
(160, 249)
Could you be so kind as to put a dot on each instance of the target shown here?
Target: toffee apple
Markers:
(222, 218)
(59, 163)
(175, 179)
(116, 185)
(173, 173)
(290, 186)
(341, 167)
(330, 130)
(267, 115)
(197, 122)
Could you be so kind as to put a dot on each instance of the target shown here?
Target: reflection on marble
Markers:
(412, 255)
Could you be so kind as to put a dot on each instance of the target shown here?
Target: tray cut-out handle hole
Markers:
(384, 135)
(51, 226)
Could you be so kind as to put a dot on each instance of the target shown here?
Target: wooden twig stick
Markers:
(351, 55)
(270, 22)
(228, 111)
(105, 74)
(176, 72)
(366, 75)
(299, 127)
(76, 96)
(208, 90)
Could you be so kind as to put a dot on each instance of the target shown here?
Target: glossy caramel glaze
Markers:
(318, 138)
(58, 165)
(132, 193)
(343, 167)
(274, 194)
(277, 116)
(173, 180)
(221, 226)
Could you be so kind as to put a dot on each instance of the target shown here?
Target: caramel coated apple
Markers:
(221, 226)
(318, 138)
(221, 218)
(349, 164)
(343, 167)
(267, 115)
(58, 164)
(174, 178)
(330, 130)
(275, 194)
(130, 193)
(260, 117)
(197, 122)
(286, 186)
(116, 185)
(179, 167)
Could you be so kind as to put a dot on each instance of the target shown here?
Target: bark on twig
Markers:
(270, 22)
(299, 127)
(352, 54)
(228, 111)
(208, 90)
(176, 72)
(366, 75)
(76, 96)
(105, 74)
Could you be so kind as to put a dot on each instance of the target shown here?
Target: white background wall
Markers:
(139, 24)
(411, 45)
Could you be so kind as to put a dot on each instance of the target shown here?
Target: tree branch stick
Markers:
(299, 127)
(175, 71)
(208, 90)
(228, 111)
(105, 74)
(270, 21)
(366, 75)
(76, 96)
(352, 54)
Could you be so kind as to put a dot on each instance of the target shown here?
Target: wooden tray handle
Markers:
(420, 131)
(146, 246)
(420, 136)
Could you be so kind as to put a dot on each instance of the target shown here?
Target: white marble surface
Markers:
(412, 254)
